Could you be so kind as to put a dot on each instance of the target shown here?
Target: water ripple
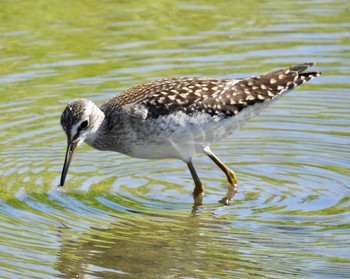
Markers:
(120, 216)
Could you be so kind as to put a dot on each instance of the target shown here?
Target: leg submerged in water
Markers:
(231, 177)
(198, 187)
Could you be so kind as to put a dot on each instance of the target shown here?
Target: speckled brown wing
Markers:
(225, 97)
(165, 96)
(242, 93)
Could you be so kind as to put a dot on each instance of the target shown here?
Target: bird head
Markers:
(80, 119)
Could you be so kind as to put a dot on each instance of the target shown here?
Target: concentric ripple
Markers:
(123, 217)
(293, 201)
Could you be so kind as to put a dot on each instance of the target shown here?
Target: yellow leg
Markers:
(198, 187)
(231, 177)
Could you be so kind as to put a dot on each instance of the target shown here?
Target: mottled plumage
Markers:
(176, 117)
(209, 95)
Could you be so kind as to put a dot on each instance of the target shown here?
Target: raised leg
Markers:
(231, 177)
(198, 187)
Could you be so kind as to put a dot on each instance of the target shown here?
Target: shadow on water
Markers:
(152, 246)
(148, 245)
(224, 242)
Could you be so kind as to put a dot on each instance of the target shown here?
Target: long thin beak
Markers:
(69, 155)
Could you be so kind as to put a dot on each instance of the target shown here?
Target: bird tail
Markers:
(288, 78)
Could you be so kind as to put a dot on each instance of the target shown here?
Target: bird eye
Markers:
(84, 124)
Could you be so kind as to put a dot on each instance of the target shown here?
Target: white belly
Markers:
(182, 136)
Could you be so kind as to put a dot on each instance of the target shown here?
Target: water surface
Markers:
(120, 217)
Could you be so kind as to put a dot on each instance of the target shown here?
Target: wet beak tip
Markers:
(69, 155)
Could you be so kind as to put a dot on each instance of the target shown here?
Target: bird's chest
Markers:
(163, 137)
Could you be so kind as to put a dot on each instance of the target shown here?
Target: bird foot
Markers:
(198, 198)
(232, 190)
(225, 201)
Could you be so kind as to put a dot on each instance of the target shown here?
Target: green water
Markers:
(120, 217)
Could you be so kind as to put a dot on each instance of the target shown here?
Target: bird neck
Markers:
(98, 120)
